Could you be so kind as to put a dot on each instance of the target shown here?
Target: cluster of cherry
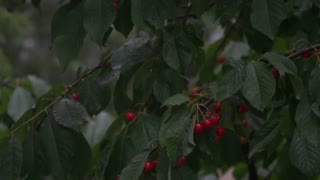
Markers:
(212, 119)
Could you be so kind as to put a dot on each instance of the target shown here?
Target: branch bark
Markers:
(304, 50)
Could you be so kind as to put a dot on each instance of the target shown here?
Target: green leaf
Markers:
(20, 101)
(135, 51)
(267, 15)
(282, 63)
(66, 152)
(98, 17)
(68, 32)
(183, 173)
(123, 22)
(199, 6)
(121, 155)
(105, 159)
(121, 100)
(176, 100)
(227, 10)
(259, 86)
(264, 137)
(176, 134)
(70, 114)
(163, 167)
(315, 109)
(94, 96)
(317, 3)
(167, 82)
(135, 167)
(144, 131)
(154, 12)
(314, 84)
(143, 81)
(297, 85)
(11, 158)
(304, 155)
(39, 86)
(178, 52)
(116, 127)
(232, 81)
(36, 3)
(307, 122)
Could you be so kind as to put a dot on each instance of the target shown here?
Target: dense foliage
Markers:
(183, 109)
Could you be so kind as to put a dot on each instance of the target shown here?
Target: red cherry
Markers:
(154, 164)
(215, 119)
(206, 124)
(182, 161)
(196, 90)
(221, 131)
(130, 116)
(208, 113)
(243, 108)
(243, 140)
(217, 106)
(148, 167)
(116, 4)
(307, 54)
(118, 177)
(275, 73)
(76, 96)
(198, 128)
(245, 123)
(221, 59)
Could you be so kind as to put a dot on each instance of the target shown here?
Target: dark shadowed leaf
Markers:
(66, 152)
(307, 122)
(176, 134)
(123, 22)
(68, 32)
(179, 52)
(304, 155)
(264, 137)
(167, 83)
(282, 63)
(314, 84)
(98, 17)
(176, 100)
(144, 131)
(94, 96)
(11, 157)
(134, 51)
(267, 15)
(153, 12)
(69, 113)
(232, 80)
(135, 167)
(259, 86)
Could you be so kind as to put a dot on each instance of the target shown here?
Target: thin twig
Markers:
(304, 50)
(102, 65)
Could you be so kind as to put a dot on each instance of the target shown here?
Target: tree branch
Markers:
(304, 50)
(102, 65)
